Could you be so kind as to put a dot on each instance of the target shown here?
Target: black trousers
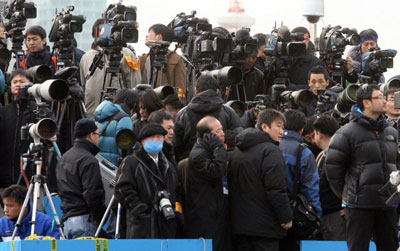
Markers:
(255, 243)
(362, 224)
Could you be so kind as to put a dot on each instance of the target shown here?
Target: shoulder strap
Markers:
(118, 116)
(296, 176)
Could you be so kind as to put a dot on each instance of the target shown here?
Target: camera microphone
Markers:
(284, 34)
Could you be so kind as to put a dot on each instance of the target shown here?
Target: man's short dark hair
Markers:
(21, 72)
(268, 116)
(309, 126)
(165, 32)
(295, 120)
(391, 91)
(159, 116)
(261, 39)
(16, 192)
(150, 101)
(205, 83)
(173, 101)
(127, 97)
(365, 92)
(368, 33)
(326, 125)
(36, 30)
(318, 69)
(302, 30)
(203, 126)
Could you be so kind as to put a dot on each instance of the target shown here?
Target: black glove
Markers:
(213, 141)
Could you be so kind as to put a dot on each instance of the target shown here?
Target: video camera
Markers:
(377, 61)
(294, 99)
(120, 26)
(281, 43)
(65, 24)
(335, 39)
(15, 14)
(244, 46)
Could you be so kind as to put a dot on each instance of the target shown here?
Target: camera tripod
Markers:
(103, 220)
(159, 63)
(34, 188)
(113, 69)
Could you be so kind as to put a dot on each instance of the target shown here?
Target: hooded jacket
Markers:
(203, 104)
(361, 156)
(259, 201)
(109, 127)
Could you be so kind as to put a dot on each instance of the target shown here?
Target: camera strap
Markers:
(297, 171)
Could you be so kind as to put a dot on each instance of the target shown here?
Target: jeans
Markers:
(78, 226)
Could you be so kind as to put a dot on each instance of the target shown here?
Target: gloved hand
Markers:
(213, 141)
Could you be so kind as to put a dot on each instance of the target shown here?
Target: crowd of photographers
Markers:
(251, 141)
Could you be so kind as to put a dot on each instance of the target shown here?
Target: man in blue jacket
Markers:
(13, 199)
(309, 187)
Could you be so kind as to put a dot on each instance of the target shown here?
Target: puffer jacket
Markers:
(259, 202)
(110, 125)
(203, 104)
(361, 156)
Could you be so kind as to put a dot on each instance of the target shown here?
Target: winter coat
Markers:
(137, 183)
(79, 182)
(298, 72)
(248, 120)
(259, 201)
(12, 117)
(252, 83)
(361, 156)
(309, 176)
(176, 69)
(206, 205)
(203, 104)
(44, 227)
(43, 57)
(95, 84)
(109, 126)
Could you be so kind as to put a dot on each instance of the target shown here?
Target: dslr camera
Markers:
(120, 26)
(164, 204)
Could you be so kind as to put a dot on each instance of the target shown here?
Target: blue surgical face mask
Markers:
(153, 147)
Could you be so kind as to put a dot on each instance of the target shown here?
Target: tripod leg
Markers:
(53, 208)
(21, 214)
(117, 235)
(36, 196)
(103, 220)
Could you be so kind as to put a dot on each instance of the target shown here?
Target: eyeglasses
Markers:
(378, 97)
(98, 134)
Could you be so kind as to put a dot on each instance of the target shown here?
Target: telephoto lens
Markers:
(166, 208)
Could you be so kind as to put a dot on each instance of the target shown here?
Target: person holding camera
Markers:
(146, 186)
(207, 101)
(98, 82)
(79, 183)
(323, 100)
(361, 156)
(20, 112)
(13, 199)
(176, 65)
(206, 196)
(369, 39)
(260, 209)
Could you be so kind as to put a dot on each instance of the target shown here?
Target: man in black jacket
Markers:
(207, 101)
(145, 183)
(333, 224)
(360, 158)
(206, 203)
(79, 183)
(260, 209)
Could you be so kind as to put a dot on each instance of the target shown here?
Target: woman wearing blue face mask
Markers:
(147, 187)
